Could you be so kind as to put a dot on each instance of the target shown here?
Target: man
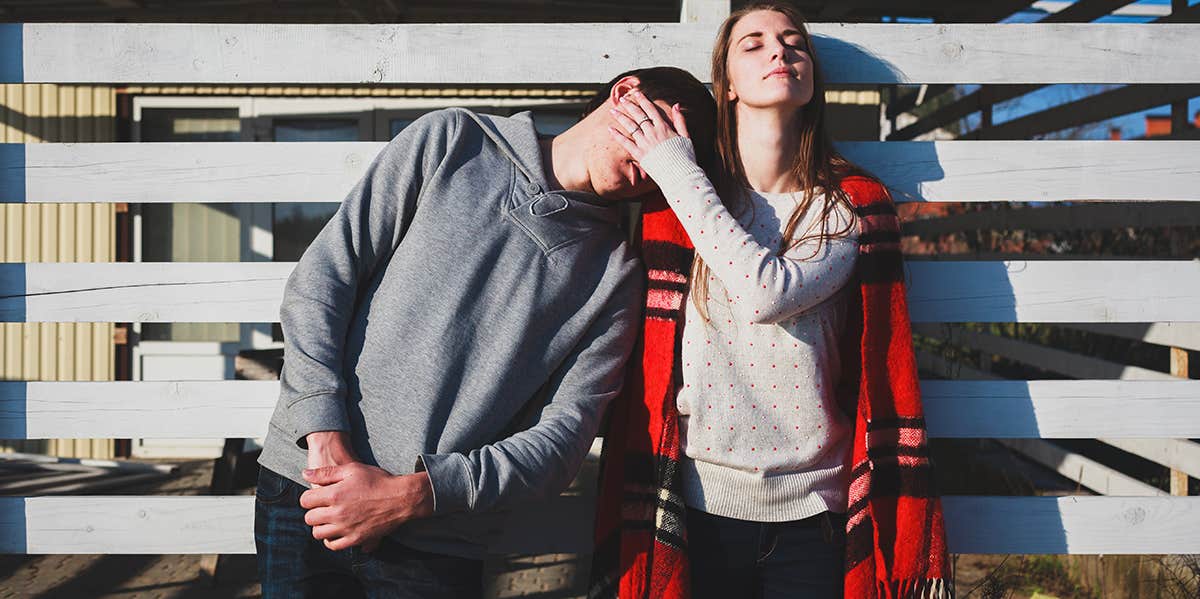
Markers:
(453, 336)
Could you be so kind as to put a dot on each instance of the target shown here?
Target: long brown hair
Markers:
(816, 165)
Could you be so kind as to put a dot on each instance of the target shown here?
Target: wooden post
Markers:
(703, 11)
(1179, 368)
(986, 93)
(1179, 108)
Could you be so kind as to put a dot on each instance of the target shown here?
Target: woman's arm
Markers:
(764, 287)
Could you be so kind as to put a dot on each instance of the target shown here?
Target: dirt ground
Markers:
(180, 576)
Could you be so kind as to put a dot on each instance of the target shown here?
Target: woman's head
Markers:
(764, 59)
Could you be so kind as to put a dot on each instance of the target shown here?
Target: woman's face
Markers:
(769, 65)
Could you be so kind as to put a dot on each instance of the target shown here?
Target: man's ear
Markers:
(623, 86)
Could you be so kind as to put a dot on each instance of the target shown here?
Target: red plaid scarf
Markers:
(895, 542)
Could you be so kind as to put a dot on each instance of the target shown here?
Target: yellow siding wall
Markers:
(32, 113)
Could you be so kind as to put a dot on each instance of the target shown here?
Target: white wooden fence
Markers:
(1086, 292)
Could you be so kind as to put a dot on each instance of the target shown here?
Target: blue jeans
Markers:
(734, 559)
(291, 563)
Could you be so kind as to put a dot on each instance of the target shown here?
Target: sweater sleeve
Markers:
(320, 298)
(767, 287)
(541, 461)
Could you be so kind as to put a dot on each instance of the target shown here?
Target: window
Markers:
(188, 232)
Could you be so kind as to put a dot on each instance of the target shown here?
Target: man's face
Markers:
(614, 173)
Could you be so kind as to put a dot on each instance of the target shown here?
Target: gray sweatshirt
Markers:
(456, 316)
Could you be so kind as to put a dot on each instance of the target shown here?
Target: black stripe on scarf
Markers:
(894, 480)
(897, 422)
(880, 267)
(666, 255)
(860, 543)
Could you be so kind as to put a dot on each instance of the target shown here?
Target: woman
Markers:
(772, 437)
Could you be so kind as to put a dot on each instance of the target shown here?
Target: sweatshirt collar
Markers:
(517, 139)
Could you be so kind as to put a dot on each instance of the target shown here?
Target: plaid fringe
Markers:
(920, 588)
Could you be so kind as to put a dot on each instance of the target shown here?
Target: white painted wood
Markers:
(1084, 471)
(703, 11)
(987, 171)
(954, 171)
(1047, 358)
(1058, 291)
(144, 292)
(1113, 410)
(1062, 409)
(1185, 335)
(1017, 291)
(125, 409)
(1074, 524)
(189, 525)
(195, 172)
(1178, 454)
(589, 52)
(129, 525)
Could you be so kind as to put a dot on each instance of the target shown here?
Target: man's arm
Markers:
(321, 295)
(542, 460)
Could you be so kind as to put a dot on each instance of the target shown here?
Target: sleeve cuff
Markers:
(671, 162)
(323, 412)
(449, 475)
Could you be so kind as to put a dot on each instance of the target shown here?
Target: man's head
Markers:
(612, 171)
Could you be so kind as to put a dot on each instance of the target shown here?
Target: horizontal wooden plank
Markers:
(1050, 359)
(959, 171)
(127, 409)
(131, 525)
(1058, 291)
(582, 52)
(143, 292)
(188, 525)
(1072, 525)
(1082, 470)
(945, 171)
(184, 172)
(954, 409)
(1059, 409)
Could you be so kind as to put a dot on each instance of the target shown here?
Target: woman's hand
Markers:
(644, 124)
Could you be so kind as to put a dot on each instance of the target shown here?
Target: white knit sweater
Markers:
(761, 429)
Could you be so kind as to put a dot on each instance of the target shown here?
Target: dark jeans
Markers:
(291, 563)
(734, 559)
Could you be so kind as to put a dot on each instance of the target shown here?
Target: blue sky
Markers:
(1131, 125)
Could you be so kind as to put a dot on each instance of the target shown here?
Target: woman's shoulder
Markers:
(865, 190)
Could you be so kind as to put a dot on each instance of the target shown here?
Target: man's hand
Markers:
(329, 448)
(356, 504)
(644, 124)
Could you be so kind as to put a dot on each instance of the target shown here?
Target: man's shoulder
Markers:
(447, 120)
